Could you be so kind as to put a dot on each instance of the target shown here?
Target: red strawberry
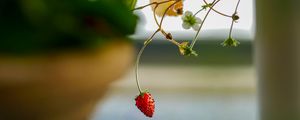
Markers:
(145, 103)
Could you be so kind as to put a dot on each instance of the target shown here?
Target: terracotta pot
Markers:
(61, 86)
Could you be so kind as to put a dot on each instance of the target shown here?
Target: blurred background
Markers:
(59, 57)
(219, 84)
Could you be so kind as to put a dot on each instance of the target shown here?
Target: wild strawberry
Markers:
(145, 103)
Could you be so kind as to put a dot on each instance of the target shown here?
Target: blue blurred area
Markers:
(186, 105)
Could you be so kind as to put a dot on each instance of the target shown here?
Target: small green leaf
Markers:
(206, 6)
(185, 50)
(230, 42)
(133, 4)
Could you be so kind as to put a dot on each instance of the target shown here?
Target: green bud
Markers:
(206, 6)
(186, 50)
(230, 42)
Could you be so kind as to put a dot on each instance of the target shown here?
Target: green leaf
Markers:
(113, 11)
(230, 42)
(206, 6)
(29, 26)
(185, 50)
(133, 4)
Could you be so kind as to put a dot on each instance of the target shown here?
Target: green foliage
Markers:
(186, 50)
(131, 3)
(206, 6)
(29, 26)
(230, 42)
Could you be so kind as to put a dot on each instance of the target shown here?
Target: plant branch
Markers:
(165, 12)
(155, 18)
(232, 22)
(197, 34)
(217, 10)
(153, 3)
(161, 22)
(198, 12)
(139, 57)
(230, 30)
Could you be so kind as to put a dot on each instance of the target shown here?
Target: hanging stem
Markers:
(237, 5)
(165, 12)
(232, 22)
(161, 22)
(168, 35)
(153, 3)
(154, 10)
(197, 34)
(198, 12)
(154, 15)
(231, 27)
(150, 39)
(217, 10)
(139, 57)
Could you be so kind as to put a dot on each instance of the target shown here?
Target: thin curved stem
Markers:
(153, 3)
(138, 60)
(165, 12)
(147, 42)
(232, 22)
(197, 34)
(198, 12)
(231, 27)
(237, 5)
(155, 18)
(137, 68)
(154, 10)
(217, 10)
(161, 22)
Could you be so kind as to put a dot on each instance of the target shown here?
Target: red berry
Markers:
(145, 103)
